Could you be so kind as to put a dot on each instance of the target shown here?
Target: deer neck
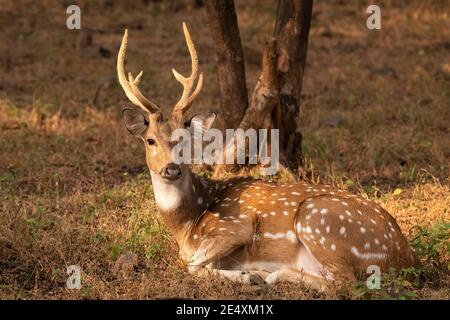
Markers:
(182, 202)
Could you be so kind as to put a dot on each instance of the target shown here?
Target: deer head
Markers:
(148, 123)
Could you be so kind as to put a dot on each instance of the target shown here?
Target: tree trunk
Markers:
(264, 110)
(275, 101)
(230, 62)
(291, 31)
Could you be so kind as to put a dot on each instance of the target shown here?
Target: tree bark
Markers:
(264, 110)
(230, 62)
(275, 101)
(292, 31)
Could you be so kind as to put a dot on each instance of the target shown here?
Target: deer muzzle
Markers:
(172, 171)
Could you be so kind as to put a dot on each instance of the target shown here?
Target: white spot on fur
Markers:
(368, 255)
(274, 236)
(291, 236)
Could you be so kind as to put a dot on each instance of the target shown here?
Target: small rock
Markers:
(125, 264)
(332, 121)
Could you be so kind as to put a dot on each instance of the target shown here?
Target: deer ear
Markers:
(200, 123)
(134, 121)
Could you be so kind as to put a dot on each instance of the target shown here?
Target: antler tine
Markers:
(130, 86)
(187, 96)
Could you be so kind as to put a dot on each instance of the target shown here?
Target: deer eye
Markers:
(151, 142)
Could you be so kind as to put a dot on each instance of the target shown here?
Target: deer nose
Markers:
(172, 171)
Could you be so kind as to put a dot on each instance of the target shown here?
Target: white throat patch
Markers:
(168, 195)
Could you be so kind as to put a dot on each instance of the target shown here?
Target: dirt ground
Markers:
(74, 189)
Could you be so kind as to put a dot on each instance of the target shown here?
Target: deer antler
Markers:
(187, 97)
(130, 86)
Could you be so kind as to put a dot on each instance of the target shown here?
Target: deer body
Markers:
(249, 230)
(250, 225)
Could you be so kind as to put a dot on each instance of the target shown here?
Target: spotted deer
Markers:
(250, 230)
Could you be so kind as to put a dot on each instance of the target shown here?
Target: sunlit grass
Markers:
(73, 184)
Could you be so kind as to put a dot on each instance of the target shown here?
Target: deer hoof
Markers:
(256, 279)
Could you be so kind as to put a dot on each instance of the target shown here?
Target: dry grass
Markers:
(73, 187)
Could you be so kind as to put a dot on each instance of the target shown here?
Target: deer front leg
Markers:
(244, 277)
(297, 276)
(213, 249)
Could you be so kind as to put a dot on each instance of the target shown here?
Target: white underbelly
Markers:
(268, 266)
(305, 262)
